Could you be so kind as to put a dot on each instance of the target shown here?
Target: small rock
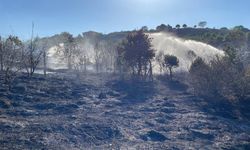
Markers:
(113, 93)
(165, 98)
(5, 103)
(81, 103)
(153, 136)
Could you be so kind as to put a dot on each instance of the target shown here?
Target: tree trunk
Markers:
(1, 54)
(170, 73)
(1, 57)
(69, 63)
(44, 63)
(85, 64)
(97, 67)
(150, 70)
(139, 68)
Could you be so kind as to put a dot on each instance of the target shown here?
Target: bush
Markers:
(221, 78)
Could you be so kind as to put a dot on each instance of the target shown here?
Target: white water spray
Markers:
(185, 50)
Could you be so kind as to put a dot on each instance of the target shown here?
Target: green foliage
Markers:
(12, 53)
(248, 39)
(198, 63)
(202, 24)
(235, 35)
(240, 28)
(136, 52)
(199, 77)
(178, 26)
(184, 26)
(231, 53)
(164, 27)
(248, 36)
(171, 62)
(221, 78)
(144, 28)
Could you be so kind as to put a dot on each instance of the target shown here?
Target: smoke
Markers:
(185, 50)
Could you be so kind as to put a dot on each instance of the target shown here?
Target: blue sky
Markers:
(77, 16)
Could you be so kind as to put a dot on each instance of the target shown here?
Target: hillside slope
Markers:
(99, 112)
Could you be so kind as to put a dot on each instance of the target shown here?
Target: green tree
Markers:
(184, 26)
(164, 27)
(178, 26)
(199, 71)
(202, 24)
(241, 28)
(161, 27)
(137, 52)
(171, 62)
(144, 28)
(231, 54)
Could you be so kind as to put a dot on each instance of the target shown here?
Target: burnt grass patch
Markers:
(135, 91)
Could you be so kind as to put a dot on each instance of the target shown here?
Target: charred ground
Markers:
(102, 112)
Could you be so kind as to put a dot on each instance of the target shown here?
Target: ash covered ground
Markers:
(101, 112)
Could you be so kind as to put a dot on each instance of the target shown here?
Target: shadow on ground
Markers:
(134, 91)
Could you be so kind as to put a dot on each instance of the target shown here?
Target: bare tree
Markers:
(97, 56)
(44, 62)
(44, 48)
(160, 61)
(11, 58)
(104, 56)
(32, 54)
(112, 54)
(1, 54)
(80, 59)
(68, 49)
